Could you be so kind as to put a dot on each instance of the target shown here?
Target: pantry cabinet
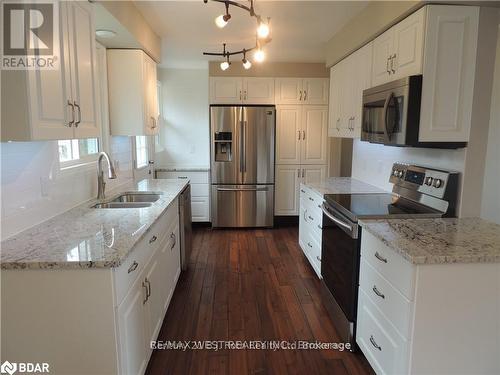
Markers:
(398, 52)
(60, 103)
(132, 93)
(302, 91)
(301, 134)
(238, 90)
(348, 79)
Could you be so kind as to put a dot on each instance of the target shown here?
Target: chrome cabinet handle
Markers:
(144, 285)
(372, 340)
(337, 124)
(79, 114)
(70, 123)
(133, 267)
(302, 191)
(380, 257)
(299, 134)
(172, 235)
(182, 177)
(300, 95)
(305, 95)
(245, 95)
(298, 173)
(392, 63)
(319, 226)
(318, 258)
(153, 239)
(240, 94)
(148, 288)
(311, 199)
(309, 244)
(303, 134)
(387, 65)
(153, 125)
(303, 173)
(310, 217)
(377, 292)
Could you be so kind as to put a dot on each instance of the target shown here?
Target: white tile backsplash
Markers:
(34, 188)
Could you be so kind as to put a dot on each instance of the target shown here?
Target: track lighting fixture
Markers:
(259, 55)
(223, 19)
(263, 30)
(246, 63)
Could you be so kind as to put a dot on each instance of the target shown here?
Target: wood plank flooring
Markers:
(250, 285)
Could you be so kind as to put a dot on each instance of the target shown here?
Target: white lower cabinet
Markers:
(310, 225)
(418, 319)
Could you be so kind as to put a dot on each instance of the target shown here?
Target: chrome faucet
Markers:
(100, 174)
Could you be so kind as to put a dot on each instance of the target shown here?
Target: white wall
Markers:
(34, 188)
(490, 207)
(184, 135)
(372, 163)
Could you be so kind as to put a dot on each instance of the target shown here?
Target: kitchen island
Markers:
(88, 289)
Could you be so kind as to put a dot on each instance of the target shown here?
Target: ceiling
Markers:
(300, 29)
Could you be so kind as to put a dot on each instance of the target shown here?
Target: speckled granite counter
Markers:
(343, 185)
(433, 241)
(85, 237)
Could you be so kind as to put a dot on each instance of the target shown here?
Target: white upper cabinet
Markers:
(133, 97)
(288, 134)
(449, 71)
(237, 90)
(398, 52)
(62, 103)
(348, 79)
(302, 90)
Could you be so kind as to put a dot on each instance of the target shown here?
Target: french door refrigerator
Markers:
(242, 165)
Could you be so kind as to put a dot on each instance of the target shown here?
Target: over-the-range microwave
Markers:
(391, 115)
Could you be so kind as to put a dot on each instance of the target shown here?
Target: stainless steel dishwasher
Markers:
(185, 229)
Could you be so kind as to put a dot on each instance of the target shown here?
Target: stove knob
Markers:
(428, 181)
(400, 174)
(395, 173)
(437, 183)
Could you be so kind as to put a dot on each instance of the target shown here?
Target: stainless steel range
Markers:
(417, 192)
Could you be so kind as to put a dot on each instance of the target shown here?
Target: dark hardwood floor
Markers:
(250, 285)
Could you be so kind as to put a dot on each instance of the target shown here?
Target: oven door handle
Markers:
(334, 219)
(386, 110)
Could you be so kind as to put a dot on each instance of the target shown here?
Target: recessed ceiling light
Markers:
(105, 33)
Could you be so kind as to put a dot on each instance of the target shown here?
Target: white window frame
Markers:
(85, 161)
(146, 147)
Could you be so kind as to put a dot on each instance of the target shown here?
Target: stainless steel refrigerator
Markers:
(242, 165)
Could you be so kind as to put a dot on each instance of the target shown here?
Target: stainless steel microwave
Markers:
(391, 115)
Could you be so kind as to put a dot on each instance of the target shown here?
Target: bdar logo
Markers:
(28, 29)
(8, 368)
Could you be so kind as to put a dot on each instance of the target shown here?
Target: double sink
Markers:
(131, 199)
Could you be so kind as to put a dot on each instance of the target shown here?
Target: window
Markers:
(77, 151)
(141, 152)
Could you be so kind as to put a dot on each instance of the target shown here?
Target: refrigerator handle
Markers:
(243, 148)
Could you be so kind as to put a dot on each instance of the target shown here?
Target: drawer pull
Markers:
(319, 226)
(310, 217)
(144, 285)
(133, 267)
(318, 258)
(380, 257)
(153, 239)
(183, 177)
(377, 292)
(302, 191)
(372, 340)
(172, 236)
(309, 244)
(311, 199)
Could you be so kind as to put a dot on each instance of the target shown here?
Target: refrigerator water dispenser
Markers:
(223, 146)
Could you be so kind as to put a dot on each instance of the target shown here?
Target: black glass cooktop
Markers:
(359, 206)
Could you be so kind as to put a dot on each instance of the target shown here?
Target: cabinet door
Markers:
(159, 289)
(133, 330)
(313, 173)
(50, 91)
(258, 90)
(314, 135)
(315, 90)
(226, 90)
(334, 102)
(363, 81)
(449, 70)
(288, 134)
(286, 200)
(150, 97)
(408, 45)
(382, 50)
(288, 90)
(84, 69)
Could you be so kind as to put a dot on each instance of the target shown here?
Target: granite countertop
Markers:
(437, 241)
(85, 237)
(343, 185)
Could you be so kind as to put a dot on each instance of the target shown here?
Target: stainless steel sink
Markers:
(137, 196)
(123, 205)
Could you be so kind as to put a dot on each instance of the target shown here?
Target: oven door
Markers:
(340, 255)
(384, 116)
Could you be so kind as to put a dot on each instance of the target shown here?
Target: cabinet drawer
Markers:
(127, 273)
(386, 351)
(200, 190)
(392, 266)
(200, 209)
(396, 308)
(193, 177)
